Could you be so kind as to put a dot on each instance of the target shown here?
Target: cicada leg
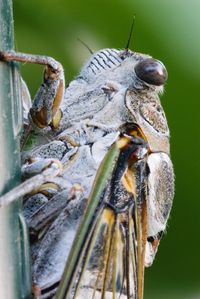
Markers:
(50, 169)
(45, 108)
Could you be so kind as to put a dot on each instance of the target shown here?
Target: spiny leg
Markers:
(51, 169)
(45, 109)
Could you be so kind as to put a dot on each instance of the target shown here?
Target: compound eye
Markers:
(151, 71)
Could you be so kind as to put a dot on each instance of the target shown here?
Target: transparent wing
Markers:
(107, 257)
(108, 268)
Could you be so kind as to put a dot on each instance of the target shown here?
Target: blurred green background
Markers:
(170, 31)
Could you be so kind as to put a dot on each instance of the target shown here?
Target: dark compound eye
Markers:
(151, 71)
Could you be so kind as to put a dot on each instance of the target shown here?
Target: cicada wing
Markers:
(109, 264)
(107, 256)
(88, 224)
(96, 279)
(112, 265)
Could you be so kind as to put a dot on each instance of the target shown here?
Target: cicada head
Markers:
(133, 82)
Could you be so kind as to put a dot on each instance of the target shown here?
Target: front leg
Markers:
(45, 109)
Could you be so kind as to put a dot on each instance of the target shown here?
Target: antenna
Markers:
(130, 34)
(85, 45)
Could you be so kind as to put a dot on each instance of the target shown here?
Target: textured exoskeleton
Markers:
(113, 101)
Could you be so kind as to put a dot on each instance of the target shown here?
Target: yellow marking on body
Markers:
(108, 215)
(70, 140)
(122, 142)
(48, 186)
(58, 97)
(129, 181)
(56, 119)
(138, 133)
(134, 133)
(45, 187)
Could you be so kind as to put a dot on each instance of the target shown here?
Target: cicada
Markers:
(97, 223)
